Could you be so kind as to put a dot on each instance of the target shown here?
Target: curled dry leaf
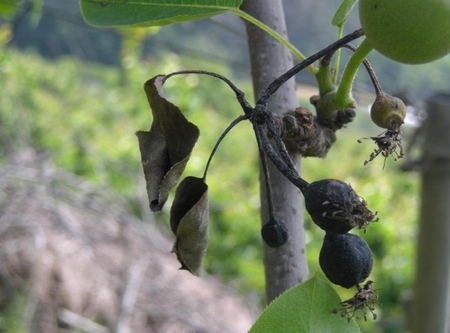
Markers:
(189, 223)
(166, 148)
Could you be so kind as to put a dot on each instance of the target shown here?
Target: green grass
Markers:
(86, 117)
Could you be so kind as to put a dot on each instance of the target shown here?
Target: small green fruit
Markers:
(388, 112)
(407, 31)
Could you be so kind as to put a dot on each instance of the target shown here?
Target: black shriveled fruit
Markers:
(274, 233)
(335, 207)
(346, 259)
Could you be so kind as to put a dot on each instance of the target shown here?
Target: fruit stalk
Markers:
(222, 136)
(311, 68)
(343, 95)
(281, 80)
(370, 71)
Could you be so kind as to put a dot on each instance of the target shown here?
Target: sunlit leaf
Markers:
(166, 148)
(151, 12)
(306, 308)
(189, 222)
(343, 11)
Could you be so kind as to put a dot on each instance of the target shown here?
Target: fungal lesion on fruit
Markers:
(357, 215)
(361, 303)
(388, 143)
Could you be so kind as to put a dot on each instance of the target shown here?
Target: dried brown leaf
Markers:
(189, 222)
(166, 148)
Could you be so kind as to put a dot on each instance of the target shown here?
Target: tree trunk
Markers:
(431, 293)
(285, 266)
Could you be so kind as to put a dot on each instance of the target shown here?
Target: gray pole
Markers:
(285, 266)
(431, 293)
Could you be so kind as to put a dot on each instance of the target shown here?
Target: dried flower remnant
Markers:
(365, 298)
(387, 144)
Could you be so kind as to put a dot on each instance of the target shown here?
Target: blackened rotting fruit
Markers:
(346, 259)
(275, 233)
(335, 207)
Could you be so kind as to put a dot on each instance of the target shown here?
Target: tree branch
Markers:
(284, 266)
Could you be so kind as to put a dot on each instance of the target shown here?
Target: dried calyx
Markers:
(335, 207)
(364, 299)
(388, 143)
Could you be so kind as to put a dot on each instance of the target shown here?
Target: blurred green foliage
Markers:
(7, 8)
(11, 320)
(86, 119)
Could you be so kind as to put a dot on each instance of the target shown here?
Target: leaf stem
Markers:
(222, 136)
(370, 71)
(324, 76)
(311, 68)
(337, 60)
(266, 174)
(343, 95)
(246, 107)
(277, 83)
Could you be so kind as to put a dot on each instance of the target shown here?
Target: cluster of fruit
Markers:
(345, 258)
(336, 208)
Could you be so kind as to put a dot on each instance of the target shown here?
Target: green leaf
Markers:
(166, 148)
(151, 12)
(343, 11)
(306, 308)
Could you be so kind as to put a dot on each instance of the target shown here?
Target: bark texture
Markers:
(285, 266)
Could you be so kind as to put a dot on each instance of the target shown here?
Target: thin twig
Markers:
(277, 83)
(266, 174)
(290, 173)
(279, 143)
(222, 136)
(240, 96)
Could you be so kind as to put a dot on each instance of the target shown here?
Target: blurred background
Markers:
(71, 99)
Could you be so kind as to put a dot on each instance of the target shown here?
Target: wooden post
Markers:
(431, 293)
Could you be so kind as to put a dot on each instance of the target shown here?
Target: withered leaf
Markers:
(166, 148)
(189, 223)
